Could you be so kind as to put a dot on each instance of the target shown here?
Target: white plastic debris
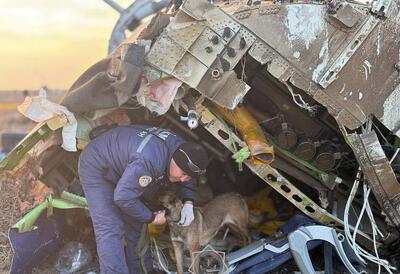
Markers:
(39, 109)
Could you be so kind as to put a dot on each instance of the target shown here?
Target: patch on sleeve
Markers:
(145, 181)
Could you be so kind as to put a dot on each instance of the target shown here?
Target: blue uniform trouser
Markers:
(112, 227)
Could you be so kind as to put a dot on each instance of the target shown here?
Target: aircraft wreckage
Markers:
(306, 96)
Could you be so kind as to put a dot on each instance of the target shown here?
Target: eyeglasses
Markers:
(194, 168)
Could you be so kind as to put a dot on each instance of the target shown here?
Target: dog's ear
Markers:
(178, 203)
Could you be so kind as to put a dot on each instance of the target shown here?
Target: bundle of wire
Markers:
(361, 253)
(161, 258)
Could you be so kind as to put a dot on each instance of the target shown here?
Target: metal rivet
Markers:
(227, 32)
(231, 52)
(215, 39)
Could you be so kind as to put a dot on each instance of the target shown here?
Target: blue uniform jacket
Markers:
(135, 159)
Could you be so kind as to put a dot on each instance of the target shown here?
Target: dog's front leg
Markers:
(178, 249)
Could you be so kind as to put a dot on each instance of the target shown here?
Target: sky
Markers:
(51, 42)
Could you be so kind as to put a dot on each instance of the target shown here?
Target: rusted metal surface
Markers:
(378, 172)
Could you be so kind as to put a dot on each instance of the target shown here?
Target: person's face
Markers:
(176, 174)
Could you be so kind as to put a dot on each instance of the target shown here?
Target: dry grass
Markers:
(10, 213)
(16, 199)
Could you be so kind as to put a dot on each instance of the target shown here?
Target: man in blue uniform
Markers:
(120, 170)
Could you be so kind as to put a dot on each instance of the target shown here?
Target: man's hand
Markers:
(160, 218)
(187, 215)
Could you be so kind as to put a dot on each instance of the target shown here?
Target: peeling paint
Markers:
(351, 93)
(296, 54)
(391, 111)
(360, 95)
(344, 86)
(304, 24)
(367, 68)
(378, 40)
(324, 54)
(368, 64)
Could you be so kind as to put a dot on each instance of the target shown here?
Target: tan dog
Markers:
(227, 209)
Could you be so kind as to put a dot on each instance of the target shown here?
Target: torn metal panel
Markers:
(229, 93)
(202, 53)
(271, 176)
(369, 78)
(346, 60)
(190, 70)
(341, 53)
(216, 18)
(380, 7)
(378, 172)
(197, 9)
(277, 66)
(347, 16)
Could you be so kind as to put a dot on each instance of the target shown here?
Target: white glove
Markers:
(187, 215)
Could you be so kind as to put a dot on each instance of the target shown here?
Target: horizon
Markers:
(51, 43)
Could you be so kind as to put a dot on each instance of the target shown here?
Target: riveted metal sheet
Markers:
(196, 8)
(190, 70)
(277, 65)
(274, 179)
(198, 49)
(185, 34)
(165, 54)
(242, 14)
(269, 9)
(280, 69)
(227, 91)
(261, 52)
(219, 20)
(235, 44)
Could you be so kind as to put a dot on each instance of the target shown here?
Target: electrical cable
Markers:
(161, 258)
(301, 103)
(358, 250)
